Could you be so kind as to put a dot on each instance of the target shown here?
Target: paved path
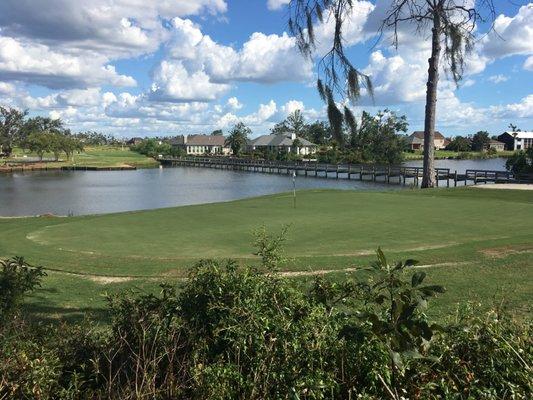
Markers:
(516, 186)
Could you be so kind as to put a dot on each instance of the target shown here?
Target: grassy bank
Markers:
(98, 156)
(446, 154)
(485, 235)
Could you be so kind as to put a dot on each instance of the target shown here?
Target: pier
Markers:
(401, 175)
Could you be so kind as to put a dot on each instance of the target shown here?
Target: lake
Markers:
(90, 192)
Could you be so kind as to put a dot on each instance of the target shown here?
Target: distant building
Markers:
(496, 145)
(517, 140)
(416, 141)
(202, 144)
(134, 141)
(283, 142)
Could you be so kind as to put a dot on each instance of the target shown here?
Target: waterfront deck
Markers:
(401, 175)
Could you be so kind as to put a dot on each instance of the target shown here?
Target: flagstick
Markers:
(294, 188)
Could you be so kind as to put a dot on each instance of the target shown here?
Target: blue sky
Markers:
(152, 68)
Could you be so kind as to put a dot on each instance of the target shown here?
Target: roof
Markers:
(520, 135)
(492, 141)
(283, 140)
(199, 140)
(415, 140)
(420, 135)
(178, 140)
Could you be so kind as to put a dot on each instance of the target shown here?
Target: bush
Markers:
(17, 278)
(521, 162)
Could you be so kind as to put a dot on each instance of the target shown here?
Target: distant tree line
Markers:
(480, 141)
(152, 147)
(38, 134)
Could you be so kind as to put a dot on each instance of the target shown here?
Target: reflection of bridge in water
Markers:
(363, 172)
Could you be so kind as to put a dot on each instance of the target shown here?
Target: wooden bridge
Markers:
(363, 172)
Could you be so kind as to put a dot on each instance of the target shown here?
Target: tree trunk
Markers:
(428, 178)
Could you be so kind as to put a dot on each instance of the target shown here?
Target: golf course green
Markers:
(478, 243)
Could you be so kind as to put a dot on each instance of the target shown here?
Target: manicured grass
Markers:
(98, 156)
(484, 237)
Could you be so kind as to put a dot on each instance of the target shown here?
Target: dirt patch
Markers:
(106, 280)
(504, 251)
(293, 274)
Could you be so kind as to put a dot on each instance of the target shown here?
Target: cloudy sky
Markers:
(167, 67)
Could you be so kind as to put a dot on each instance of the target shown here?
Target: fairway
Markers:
(485, 235)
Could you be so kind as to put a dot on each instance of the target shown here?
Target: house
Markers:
(496, 145)
(416, 141)
(285, 142)
(202, 144)
(516, 140)
(134, 141)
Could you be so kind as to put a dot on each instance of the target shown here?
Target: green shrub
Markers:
(17, 278)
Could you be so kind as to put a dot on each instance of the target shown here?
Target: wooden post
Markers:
(455, 179)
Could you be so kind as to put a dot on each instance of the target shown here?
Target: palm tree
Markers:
(451, 21)
(238, 138)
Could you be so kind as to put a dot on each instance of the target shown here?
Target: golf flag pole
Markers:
(294, 188)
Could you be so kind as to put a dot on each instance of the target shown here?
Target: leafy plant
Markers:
(394, 312)
(17, 278)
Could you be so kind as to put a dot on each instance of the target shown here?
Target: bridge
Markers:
(390, 174)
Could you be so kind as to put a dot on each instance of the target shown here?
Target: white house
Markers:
(517, 140)
(286, 142)
(202, 144)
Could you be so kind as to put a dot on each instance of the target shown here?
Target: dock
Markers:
(388, 174)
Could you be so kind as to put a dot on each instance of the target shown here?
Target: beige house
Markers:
(283, 142)
(497, 145)
(202, 144)
(416, 141)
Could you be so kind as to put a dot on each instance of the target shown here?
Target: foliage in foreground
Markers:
(521, 162)
(234, 332)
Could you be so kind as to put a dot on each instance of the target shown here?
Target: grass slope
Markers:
(98, 156)
(483, 237)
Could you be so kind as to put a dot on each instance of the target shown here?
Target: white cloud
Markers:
(234, 104)
(197, 68)
(115, 28)
(498, 78)
(39, 64)
(388, 75)
(528, 64)
(71, 43)
(522, 109)
(277, 4)
(173, 82)
(511, 35)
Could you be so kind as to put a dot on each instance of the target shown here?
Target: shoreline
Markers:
(44, 167)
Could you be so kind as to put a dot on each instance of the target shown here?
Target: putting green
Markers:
(468, 229)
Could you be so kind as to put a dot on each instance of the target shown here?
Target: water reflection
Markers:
(90, 192)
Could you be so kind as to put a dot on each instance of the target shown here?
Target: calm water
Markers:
(90, 192)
